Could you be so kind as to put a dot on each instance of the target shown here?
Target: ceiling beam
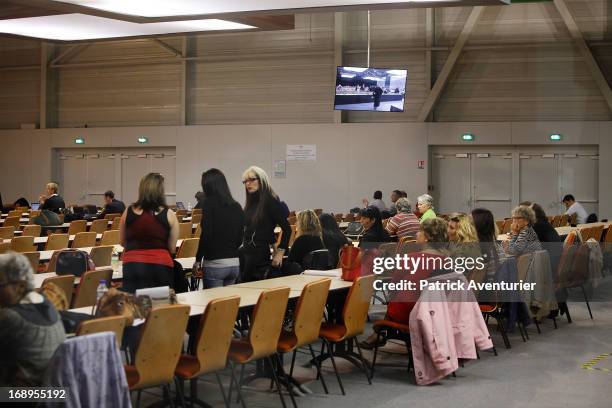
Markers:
(585, 51)
(68, 53)
(442, 79)
(168, 47)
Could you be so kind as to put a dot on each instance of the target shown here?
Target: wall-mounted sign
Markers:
(302, 152)
(421, 164)
(280, 168)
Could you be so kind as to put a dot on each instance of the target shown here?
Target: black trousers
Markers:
(138, 275)
(255, 262)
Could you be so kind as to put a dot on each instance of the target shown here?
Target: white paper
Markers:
(302, 152)
(334, 273)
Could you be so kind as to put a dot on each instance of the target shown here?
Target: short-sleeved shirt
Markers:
(578, 209)
(428, 214)
(403, 224)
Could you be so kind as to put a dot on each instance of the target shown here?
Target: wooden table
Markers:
(562, 231)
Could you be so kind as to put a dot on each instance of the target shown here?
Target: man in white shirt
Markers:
(378, 202)
(574, 207)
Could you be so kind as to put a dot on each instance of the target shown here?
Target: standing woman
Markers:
(263, 212)
(222, 228)
(149, 231)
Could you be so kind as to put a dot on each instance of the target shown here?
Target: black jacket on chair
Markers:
(53, 203)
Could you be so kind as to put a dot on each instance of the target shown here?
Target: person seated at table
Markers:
(492, 251)
(52, 201)
(221, 234)
(523, 239)
(404, 222)
(373, 230)
(542, 227)
(425, 207)
(149, 231)
(30, 327)
(111, 205)
(333, 238)
(432, 239)
(377, 202)
(574, 207)
(308, 239)
(462, 236)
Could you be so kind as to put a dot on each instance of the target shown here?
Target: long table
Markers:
(565, 230)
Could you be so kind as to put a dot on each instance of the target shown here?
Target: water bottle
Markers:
(189, 206)
(100, 291)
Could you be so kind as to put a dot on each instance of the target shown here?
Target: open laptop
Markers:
(180, 205)
(35, 206)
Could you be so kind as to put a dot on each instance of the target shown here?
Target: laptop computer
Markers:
(180, 205)
(35, 206)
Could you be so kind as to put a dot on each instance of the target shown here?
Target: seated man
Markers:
(52, 201)
(574, 207)
(112, 206)
(30, 327)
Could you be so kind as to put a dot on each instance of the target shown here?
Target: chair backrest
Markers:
(11, 222)
(309, 311)
(181, 213)
(506, 226)
(349, 217)
(15, 213)
(267, 321)
(65, 283)
(407, 239)
(356, 306)
(597, 232)
(99, 226)
(159, 348)
(608, 237)
(338, 217)
(556, 222)
(320, 260)
(7, 232)
(86, 290)
(388, 249)
(185, 230)
(5, 247)
(77, 226)
(110, 238)
(573, 219)
(198, 231)
(522, 265)
(84, 239)
(196, 218)
(57, 241)
(585, 233)
(115, 324)
(112, 216)
(102, 255)
(188, 248)
(116, 222)
(196, 211)
(34, 258)
(23, 244)
(215, 333)
(32, 230)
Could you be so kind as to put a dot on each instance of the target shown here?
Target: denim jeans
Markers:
(216, 277)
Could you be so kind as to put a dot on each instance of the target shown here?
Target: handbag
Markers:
(350, 262)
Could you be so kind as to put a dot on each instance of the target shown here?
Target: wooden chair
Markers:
(115, 324)
(354, 315)
(597, 232)
(349, 217)
(102, 255)
(5, 247)
(196, 211)
(159, 349)
(196, 218)
(77, 226)
(99, 226)
(198, 231)
(34, 258)
(31, 230)
(307, 323)
(188, 248)
(116, 222)
(84, 240)
(407, 239)
(15, 213)
(572, 219)
(556, 222)
(23, 244)
(85, 294)
(110, 238)
(34, 213)
(185, 230)
(65, 283)
(338, 217)
(11, 222)
(7, 232)
(506, 226)
(564, 220)
(262, 341)
(212, 343)
(109, 217)
(57, 241)
(180, 214)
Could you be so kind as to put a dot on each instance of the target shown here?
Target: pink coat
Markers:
(431, 337)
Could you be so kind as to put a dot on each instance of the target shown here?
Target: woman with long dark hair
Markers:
(374, 232)
(221, 236)
(543, 229)
(149, 231)
(333, 238)
(493, 252)
(263, 212)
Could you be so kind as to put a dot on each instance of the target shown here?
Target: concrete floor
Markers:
(546, 371)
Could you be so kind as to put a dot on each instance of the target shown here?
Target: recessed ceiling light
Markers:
(74, 27)
(161, 8)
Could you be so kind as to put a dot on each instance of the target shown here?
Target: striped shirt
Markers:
(524, 242)
(403, 224)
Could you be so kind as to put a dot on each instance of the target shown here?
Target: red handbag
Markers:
(350, 262)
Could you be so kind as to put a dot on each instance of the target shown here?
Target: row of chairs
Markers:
(159, 362)
(85, 293)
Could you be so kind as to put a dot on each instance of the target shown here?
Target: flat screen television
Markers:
(370, 89)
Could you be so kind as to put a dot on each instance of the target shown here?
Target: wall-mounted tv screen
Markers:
(370, 89)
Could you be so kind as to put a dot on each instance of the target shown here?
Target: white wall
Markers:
(352, 159)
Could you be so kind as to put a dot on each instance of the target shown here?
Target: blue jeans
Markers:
(217, 277)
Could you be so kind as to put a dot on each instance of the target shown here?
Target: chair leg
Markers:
(278, 386)
(178, 383)
(138, 395)
(239, 385)
(292, 363)
(502, 330)
(537, 326)
(318, 365)
(288, 383)
(586, 300)
(227, 403)
(567, 314)
(363, 363)
(167, 393)
(375, 353)
(233, 380)
(331, 355)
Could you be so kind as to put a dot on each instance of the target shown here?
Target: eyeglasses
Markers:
(250, 180)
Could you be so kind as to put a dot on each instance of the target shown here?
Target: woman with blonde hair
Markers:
(263, 212)
(308, 237)
(149, 231)
(463, 238)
